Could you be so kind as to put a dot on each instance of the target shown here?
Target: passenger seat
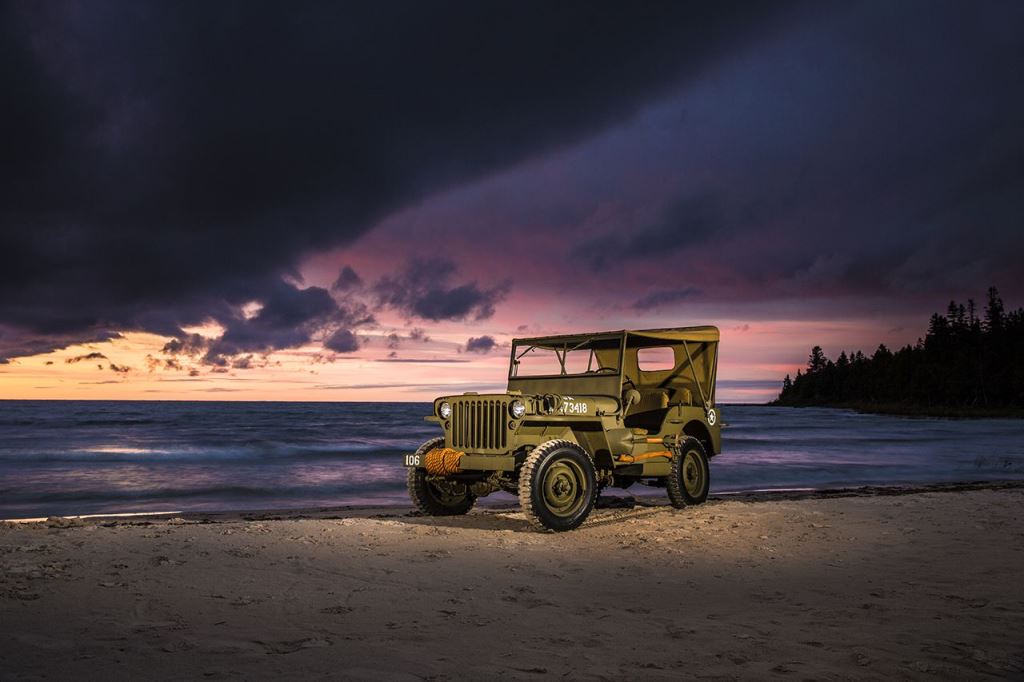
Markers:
(649, 412)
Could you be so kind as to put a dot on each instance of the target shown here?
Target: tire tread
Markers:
(533, 460)
(677, 495)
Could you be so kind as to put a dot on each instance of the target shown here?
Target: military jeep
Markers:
(582, 412)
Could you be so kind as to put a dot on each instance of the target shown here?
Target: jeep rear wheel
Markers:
(690, 479)
(557, 485)
(433, 495)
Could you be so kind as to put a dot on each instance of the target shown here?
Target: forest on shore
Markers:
(966, 365)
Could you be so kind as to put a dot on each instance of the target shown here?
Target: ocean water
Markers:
(88, 457)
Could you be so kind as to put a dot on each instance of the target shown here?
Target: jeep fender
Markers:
(699, 430)
(590, 436)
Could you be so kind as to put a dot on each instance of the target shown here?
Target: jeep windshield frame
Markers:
(602, 358)
(604, 362)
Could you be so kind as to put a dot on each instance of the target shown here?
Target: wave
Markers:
(219, 492)
(802, 440)
(197, 454)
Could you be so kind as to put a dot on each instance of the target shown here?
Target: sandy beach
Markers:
(917, 585)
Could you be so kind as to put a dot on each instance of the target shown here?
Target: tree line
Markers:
(965, 363)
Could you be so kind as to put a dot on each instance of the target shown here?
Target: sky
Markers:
(327, 201)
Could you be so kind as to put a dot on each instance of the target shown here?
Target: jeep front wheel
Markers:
(433, 495)
(557, 485)
(690, 479)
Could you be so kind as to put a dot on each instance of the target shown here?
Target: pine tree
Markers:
(938, 326)
(816, 361)
(994, 313)
(951, 313)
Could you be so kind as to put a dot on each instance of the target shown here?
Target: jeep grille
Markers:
(478, 425)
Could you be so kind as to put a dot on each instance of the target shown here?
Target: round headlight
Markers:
(445, 410)
(518, 409)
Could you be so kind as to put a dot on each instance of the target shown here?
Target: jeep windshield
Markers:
(566, 358)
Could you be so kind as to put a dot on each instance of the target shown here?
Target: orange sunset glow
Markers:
(135, 367)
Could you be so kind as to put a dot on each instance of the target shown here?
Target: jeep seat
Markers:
(649, 412)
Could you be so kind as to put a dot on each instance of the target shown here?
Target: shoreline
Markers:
(915, 411)
(623, 501)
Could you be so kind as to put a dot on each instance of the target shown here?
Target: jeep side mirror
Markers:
(630, 398)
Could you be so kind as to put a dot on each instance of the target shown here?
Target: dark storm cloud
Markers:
(686, 222)
(15, 342)
(347, 279)
(342, 341)
(394, 340)
(658, 299)
(424, 289)
(872, 156)
(168, 163)
(188, 344)
(87, 356)
(243, 362)
(480, 344)
(287, 318)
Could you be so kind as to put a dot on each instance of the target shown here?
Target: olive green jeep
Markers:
(582, 412)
